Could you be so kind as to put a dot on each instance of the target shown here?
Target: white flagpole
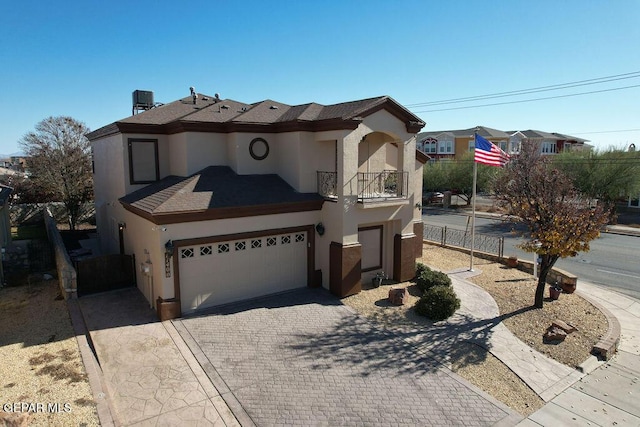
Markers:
(473, 210)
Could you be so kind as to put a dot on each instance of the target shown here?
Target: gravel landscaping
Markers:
(40, 363)
(513, 291)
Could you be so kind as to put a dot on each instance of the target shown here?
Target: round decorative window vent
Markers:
(259, 148)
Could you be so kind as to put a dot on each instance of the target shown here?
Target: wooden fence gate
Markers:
(105, 273)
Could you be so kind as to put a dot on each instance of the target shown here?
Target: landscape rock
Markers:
(398, 296)
(554, 335)
(567, 327)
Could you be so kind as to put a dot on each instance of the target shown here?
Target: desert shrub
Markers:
(438, 303)
(421, 268)
(429, 278)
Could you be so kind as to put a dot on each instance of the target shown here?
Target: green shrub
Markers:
(421, 268)
(429, 278)
(438, 303)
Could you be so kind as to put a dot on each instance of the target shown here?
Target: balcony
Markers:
(383, 185)
(327, 184)
(372, 186)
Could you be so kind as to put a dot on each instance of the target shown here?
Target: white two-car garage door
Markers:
(226, 271)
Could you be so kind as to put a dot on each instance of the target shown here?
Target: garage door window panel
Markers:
(186, 253)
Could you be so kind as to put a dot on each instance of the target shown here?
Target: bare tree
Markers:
(561, 223)
(59, 162)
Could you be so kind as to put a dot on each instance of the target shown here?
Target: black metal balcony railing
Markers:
(383, 185)
(327, 183)
(371, 185)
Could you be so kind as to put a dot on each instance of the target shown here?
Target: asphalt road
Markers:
(613, 261)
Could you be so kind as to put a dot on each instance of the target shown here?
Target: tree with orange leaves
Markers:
(560, 221)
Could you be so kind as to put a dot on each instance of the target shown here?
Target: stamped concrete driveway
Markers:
(303, 358)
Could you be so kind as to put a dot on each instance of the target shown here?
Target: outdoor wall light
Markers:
(320, 228)
(168, 248)
(418, 206)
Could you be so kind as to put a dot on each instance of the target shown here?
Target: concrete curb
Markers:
(608, 344)
(91, 365)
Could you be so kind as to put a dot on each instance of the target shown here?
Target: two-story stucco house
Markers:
(454, 144)
(222, 201)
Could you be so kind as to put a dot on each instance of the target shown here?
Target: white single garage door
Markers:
(223, 272)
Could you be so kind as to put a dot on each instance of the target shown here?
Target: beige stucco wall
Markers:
(417, 190)
(247, 165)
(110, 178)
(287, 152)
(175, 153)
(205, 149)
(142, 238)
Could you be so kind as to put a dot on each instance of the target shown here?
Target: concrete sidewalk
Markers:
(610, 395)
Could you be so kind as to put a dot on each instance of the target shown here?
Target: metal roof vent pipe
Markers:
(194, 95)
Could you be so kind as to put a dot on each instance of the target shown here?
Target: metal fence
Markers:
(462, 238)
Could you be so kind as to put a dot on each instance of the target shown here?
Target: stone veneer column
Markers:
(345, 269)
(404, 259)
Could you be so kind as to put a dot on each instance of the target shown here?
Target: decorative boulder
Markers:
(554, 335)
(567, 327)
(398, 296)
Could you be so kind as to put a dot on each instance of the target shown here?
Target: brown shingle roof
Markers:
(214, 187)
(228, 116)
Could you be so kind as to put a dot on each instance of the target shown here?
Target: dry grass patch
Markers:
(40, 357)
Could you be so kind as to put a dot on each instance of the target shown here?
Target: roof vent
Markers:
(273, 107)
(216, 97)
(194, 95)
(142, 100)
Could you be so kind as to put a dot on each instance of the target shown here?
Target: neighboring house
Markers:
(550, 143)
(222, 201)
(453, 144)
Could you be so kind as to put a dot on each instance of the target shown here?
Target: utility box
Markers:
(142, 99)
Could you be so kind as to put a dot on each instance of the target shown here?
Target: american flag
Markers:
(488, 154)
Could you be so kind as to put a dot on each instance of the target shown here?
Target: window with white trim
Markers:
(428, 145)
(549, 147)
(445, 146)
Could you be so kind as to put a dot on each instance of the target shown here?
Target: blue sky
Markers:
(84, 58)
